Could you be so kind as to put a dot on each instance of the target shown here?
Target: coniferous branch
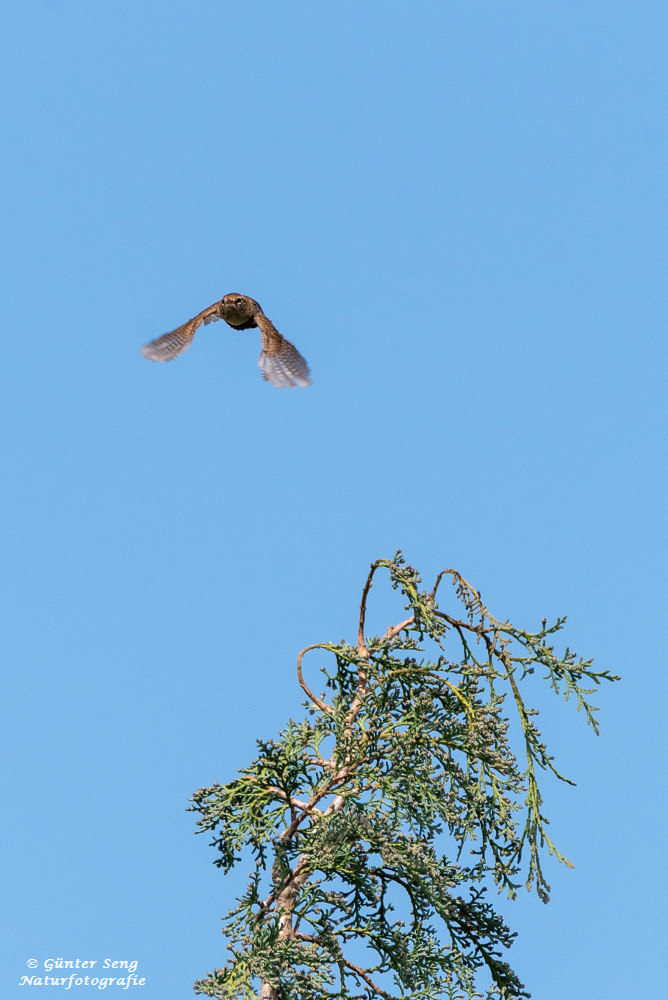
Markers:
(344, 812)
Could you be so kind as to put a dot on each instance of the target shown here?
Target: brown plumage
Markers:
(279, 361)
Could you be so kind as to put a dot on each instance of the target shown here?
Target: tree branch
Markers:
(362, 973)
(367, 979)
(316, 701)
(361, 644)
(396, 629)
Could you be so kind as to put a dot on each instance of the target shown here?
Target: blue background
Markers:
(458, 213)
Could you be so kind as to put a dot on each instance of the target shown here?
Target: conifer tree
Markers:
(406, 754)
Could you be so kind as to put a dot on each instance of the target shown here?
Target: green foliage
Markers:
(343, 812)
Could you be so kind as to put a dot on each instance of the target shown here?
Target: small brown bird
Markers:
(279, 361)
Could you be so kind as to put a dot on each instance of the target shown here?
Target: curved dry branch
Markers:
(316, 701)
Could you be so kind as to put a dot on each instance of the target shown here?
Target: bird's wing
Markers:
(280, 362)
(177, 341)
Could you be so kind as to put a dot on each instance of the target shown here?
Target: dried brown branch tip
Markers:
(357, 819)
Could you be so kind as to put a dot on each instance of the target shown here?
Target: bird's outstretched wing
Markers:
(177, 341)
(280, 362)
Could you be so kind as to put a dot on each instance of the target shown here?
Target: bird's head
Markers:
(238, 310)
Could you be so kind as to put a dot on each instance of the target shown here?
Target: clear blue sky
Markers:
(458, 213)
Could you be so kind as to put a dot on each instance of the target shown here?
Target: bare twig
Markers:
(396, 629)
(365, 976)
(316, 701)
(361, 644)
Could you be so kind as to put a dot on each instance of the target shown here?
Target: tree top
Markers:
(359, 817)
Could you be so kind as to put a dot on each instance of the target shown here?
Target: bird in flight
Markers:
(280, 362)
